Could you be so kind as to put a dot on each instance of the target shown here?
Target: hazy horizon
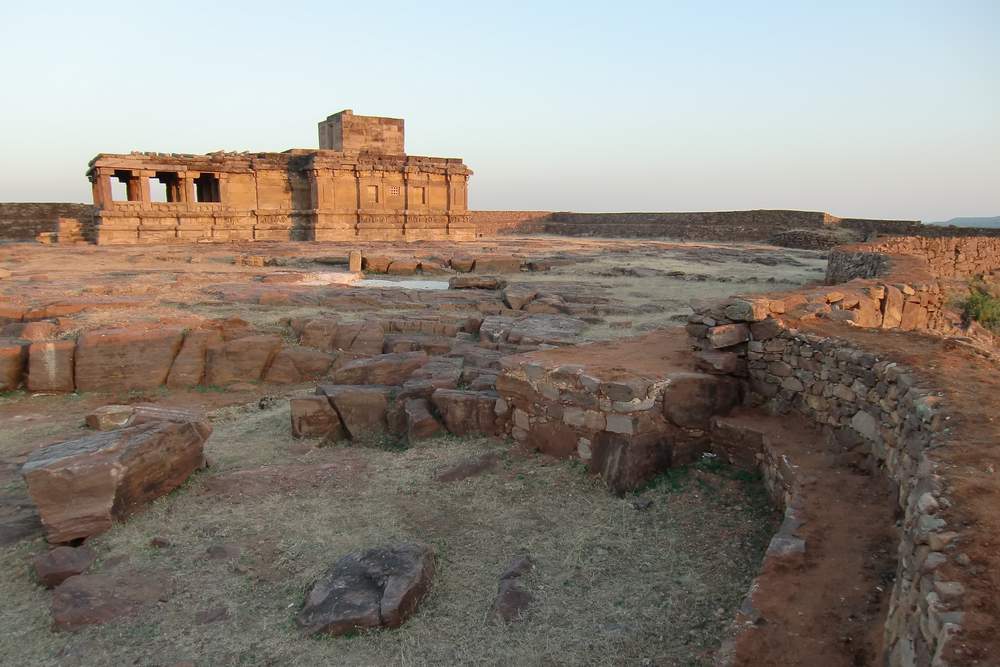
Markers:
(870, 109)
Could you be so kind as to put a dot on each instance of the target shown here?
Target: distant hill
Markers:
(971, 222)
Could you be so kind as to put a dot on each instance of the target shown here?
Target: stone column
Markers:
(101, 182)
(143, 177)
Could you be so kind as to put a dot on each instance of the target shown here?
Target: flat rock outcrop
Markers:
(377, 588)
(93, 599)
(82, 486)
(466, 412)
(362, 409)
(126, 359)
(384, 369)
(57, 565)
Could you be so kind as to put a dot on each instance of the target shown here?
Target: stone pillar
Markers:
(143, 178)
(354, 261)
(101, 182)
(186, 183)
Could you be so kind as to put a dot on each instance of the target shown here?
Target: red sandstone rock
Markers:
(93, 599)
(109, 417)
(403, 267)
(371, 589)
(50, 366)
(13, 362)
(420, 423)
(313, 416)
(466, 412)
(517, 297)
(476, 282)
(82, 486)
(376, 264)
(188, 369)
(462, 264)
(57, 565)
(727, 335)
(125, 359)
(383, 369)
(243, 359)
(892, 308)
(690, 400)
(497, 264)
(627, 462)
(298, 364)
(720, 363)
(362, 409)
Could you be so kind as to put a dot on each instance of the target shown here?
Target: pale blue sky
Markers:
(881, 109)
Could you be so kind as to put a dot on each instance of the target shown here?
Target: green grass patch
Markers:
(981, 306)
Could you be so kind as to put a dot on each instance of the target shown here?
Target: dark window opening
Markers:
(206, 188)
(123, 187)
(169, 189)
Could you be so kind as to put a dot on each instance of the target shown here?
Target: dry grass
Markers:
(614, 585)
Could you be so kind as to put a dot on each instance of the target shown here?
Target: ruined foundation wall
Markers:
(25, 221)
(870, 405)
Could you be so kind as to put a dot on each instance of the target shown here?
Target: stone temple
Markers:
(359, 185)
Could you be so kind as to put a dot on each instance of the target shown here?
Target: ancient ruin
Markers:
(359, 185)
(731, 438)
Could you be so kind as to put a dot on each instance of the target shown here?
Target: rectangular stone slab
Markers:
(82, 486)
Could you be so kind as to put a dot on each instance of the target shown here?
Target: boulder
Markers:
(93, 599)
(240, 360)
(298, 364)
(362, 409)
(82, 486)
(720, 363)
(466, 412)
(188, 369)
(13, 363)
(626, 462)
(497, 264)
(50, 366)
(125, 359)
(383, 369)
(420, 423)
(377, 588)
(57, 565)
(690, 400)
(319, 333)
(313, 416)
(892, 308)
(476, 282)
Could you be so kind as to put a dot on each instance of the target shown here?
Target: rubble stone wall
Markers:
(869, 405)
(25, 221)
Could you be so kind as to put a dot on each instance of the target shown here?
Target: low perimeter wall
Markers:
(25, 221)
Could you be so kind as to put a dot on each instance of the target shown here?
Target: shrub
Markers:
(982, 307)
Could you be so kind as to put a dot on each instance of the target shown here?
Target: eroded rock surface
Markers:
(377, 588)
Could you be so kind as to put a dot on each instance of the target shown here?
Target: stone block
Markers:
(690, 400)
(727, 335)
(188, 369)
(240, 360)
(362, 409)
(466, 412)
(50, 366)
(382, 369)
(13, 363)
(314, 417)
(82, 486)
(125, 359)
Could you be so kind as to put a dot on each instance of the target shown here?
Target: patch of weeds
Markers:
(981, 306)
(13, 394)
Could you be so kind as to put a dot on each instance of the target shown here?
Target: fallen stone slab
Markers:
(82, 486)
(57, 565)
(383, 369)
(545, 329)
(109, 417)
(93, 599)
(188, 369)
(377, 588)
(517, 297)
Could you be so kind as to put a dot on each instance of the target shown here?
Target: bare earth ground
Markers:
(613, 584)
